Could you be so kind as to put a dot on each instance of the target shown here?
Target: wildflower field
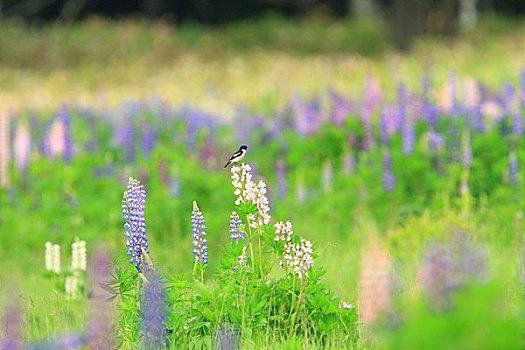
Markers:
(382, 210)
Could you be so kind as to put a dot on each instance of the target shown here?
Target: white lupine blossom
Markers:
(248, 191)
(49, 256)
(78, 255)
(52, 257)
(71, 286)
(56, 258)
(283, 231)
(298, 256)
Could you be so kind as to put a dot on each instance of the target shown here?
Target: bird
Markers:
(237, 156)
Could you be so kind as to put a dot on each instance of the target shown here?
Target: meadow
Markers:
(400, 176)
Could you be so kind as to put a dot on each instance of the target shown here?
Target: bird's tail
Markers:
(227, 165)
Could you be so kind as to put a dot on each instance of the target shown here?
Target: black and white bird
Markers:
(237, 156)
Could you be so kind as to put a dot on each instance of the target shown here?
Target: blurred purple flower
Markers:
(22, 146)
(409, 136)
(65, 117)
(99, 329)
(280, 170)
(478, 120)
(389, 180)
(149, 137)
(227, 337)
(340, 108)
(513, 169)
(125, 137)
(11, 326)
(153, 312)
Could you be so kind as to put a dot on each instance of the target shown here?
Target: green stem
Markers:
(250, 242)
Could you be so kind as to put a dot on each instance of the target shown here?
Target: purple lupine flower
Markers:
(65, 118)
(99, 329)
(434, 276)
(207, 153)
(348, 163)
(517, 123)
(478, 120)
(340, 108)
(148, 138)
(63, 342)
(408, 133)
(12, 326)
(153, 312)
(200, 244)
(227, 337)
(522, 86)
(383, 127)
(435, 141)
(452, 82)
(22, 146)
(508, 101)
(513, 169)
(431, 114)
(125, 137)
(280, 170)
(454, 142)
(133, 206)
(235, 227)
(448, 267)
(5, 152)
(389, 180)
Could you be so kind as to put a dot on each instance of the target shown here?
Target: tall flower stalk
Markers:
(133, 206)
(200, 243)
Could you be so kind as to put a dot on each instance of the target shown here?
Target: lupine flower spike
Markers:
(133, 206)
(236, 233)
(200, 243)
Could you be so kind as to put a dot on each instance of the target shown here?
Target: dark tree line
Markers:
(407, 18)
(220, 11)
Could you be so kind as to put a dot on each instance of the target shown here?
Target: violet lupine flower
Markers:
(435, 141)
(99, 329)
(452, 82)
(22, 146)
(153, 313)
(4, 150)
(389, 180)
(149, 138)
(280, 170)
(431, 114)
(12, 327)
(200, 244)
(517, 123)
(65, 118)
(508, 102)
(383, 127)
(235, 227)
(127, 138)
(434, 276)
(408, 133)
(478, 121)
(513, 169)
(340, 108)
(227, 337)
(133, 206)
(522, 86)
(348, 163)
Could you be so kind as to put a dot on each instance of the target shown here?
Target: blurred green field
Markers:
(141, 71)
